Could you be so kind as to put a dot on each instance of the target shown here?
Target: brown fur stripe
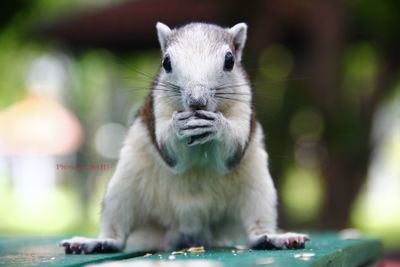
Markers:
(237, 157)
(146, 113)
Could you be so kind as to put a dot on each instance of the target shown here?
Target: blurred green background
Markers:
(326, 89)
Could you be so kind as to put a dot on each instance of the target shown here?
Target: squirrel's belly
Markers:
(196, 197)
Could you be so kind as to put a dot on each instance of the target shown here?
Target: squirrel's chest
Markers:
(204, 195)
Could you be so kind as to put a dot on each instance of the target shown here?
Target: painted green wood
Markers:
(328, 250)
(44, 251)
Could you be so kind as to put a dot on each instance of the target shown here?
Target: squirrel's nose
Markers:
(196, 104)
(197, 97)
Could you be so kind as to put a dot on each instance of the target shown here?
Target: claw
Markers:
(67, 249)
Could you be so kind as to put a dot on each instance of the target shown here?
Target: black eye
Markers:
(229, 62)
(167, 64)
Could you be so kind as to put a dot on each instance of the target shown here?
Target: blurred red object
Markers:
(389, 263)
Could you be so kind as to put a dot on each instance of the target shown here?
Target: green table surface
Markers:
(325, 249)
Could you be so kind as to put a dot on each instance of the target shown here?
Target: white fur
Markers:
(239, 31)
(163, 32)
(144, 191)
(153, 203)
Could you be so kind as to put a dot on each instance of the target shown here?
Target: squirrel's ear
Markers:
(239, 33)
(163, 32)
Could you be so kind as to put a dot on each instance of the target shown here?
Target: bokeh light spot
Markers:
(109, 139)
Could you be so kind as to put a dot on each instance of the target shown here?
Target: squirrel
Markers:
(193, 170)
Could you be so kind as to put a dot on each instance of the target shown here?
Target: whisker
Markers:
(172, 99)
(167, 84)
(230, 86)
(258, 94)
(141, 72)
(152, 79)
(233, 99)
(173, 95)
(148, 75)
(225, 86)
(149, 89)
(158, 86)
(167, 88)
(232, 93)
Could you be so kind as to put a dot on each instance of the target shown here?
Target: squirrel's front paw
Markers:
(280, 241)
(197, 127)
(77, 245)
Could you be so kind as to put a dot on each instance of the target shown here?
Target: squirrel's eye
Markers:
(167, 64)
(229, 61)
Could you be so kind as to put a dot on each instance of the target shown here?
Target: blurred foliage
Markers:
(101, 88)
(302, 194)
(377, 19)
(360, 69)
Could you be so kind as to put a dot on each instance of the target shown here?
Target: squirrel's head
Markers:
(200, 63)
